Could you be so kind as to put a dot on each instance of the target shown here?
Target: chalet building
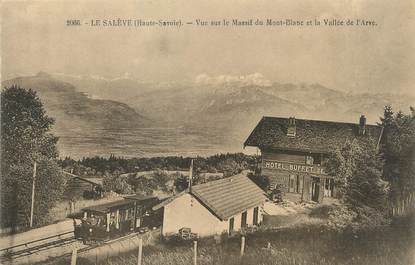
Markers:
(293, 152)
(212, 208)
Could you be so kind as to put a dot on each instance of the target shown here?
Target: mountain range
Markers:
(72, 108)
(216, 115)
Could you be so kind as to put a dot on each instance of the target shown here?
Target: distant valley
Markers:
(125, 117)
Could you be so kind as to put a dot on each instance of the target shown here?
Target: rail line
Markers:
(101, 243)
(31, 247)
(59, 240)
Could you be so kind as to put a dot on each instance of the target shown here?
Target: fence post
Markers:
(140, 250)
(73, 258)
(242, 245)
(195, 252)
(400, 207)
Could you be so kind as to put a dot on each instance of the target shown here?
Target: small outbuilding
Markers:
(213, 208)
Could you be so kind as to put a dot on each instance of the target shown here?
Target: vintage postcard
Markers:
(207, 132)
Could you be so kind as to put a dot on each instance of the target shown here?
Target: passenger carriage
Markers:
(115, 219)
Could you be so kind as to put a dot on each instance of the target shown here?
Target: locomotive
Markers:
(111, 220)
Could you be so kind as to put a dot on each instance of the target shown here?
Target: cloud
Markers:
(256, 79)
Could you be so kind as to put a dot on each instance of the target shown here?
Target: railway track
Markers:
(32, 247)
(14, 253)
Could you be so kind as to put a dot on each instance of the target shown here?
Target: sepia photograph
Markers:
(207, 132)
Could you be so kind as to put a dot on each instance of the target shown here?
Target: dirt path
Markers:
(291, 214)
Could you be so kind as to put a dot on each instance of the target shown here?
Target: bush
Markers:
(342, 218)
(369, 218)
(277, 194)
(92, 194)
(118, 184)
(321, 211)
(160, 180)
(181, 183)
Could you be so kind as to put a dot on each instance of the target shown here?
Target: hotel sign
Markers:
(312, 169)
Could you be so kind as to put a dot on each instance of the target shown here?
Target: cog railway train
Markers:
(115, 219)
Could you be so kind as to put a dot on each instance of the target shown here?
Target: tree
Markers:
(26, 139)
(261, 181)
(357, 167)
(117, 183)
(160, 179)
(229, 167)
(398, 151)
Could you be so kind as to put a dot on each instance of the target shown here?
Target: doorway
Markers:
(315, 189)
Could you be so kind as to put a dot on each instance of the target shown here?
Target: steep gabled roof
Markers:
(229, 196)
(311, 135)
(225, 197)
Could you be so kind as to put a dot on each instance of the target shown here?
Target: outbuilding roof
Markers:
(310, 135)
(93, 181)
(139, 197)
(225, 197)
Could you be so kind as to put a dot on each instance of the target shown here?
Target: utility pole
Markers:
(33, 194)
(191, 176)
(242, 246)
(74, 256)
(140, 251)
(194, 251)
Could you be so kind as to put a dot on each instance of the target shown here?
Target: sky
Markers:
(34, 37)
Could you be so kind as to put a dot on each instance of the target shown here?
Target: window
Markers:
(231, 224)
(328, 187)
(309, 160)
(318, 159)
(255, 218)
(130, 213)
(243, 219)
(327, 182)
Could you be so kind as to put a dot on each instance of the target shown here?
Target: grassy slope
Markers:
(300, 244)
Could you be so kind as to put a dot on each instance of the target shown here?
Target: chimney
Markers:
(291, 129)
(191, 176)
(362, 125)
